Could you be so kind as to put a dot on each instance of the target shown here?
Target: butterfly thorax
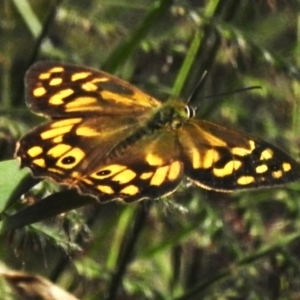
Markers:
(170, 116)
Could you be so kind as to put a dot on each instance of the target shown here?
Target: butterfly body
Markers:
(112, 141)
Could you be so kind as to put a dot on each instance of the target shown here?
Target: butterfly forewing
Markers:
(112, 141)
(225, 160)
(61, 90)
(57, 148)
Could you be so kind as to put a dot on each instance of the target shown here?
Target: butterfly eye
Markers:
(190, 111)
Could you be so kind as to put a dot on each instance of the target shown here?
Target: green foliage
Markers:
(196, 244)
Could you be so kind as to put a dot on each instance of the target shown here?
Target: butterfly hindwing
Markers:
(130, 169)
(131, 178)
(148, 168)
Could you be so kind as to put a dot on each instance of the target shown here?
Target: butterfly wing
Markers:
(105, 163)
(94, 115)
(64, 90)
(57, 148)
(222, 159)
(149, 168)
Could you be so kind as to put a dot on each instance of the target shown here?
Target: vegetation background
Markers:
(194, 244)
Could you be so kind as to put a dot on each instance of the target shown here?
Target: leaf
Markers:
(11, 177)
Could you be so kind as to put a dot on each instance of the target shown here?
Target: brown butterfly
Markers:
(112, 141)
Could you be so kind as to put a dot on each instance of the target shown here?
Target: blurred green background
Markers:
(194, 244)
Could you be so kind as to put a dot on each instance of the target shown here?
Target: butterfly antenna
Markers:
(232, 92)
(197, 87)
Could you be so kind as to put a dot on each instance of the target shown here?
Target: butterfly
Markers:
(112, 141)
